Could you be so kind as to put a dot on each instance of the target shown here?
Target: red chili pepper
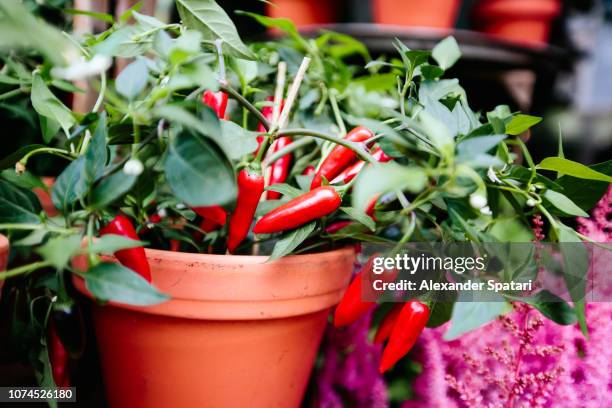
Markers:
(133, 258)
(268, 113)
(58, 357)
(340, 157)
(353, 306)
(386, 325)
(410, 323)
(337, 226)
(175, 245)
(214, 213)
(350, 172)
(217, 101)
(305, 208)
(280, 168)
(309, 170)
(250, 189)
(371, 206)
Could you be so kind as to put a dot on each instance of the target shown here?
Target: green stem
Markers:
(334, 104)
(288, 149)
(144, 34)
(101, 93)
(242, 100)
(363, 155)
(12, 93)
(23, 269)
(50, 150)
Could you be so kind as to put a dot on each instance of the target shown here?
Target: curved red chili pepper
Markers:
(214, 213)
(409, 324)
(250, 189)
(372, 206)
(280, 168)
(268, 113)
(58, 357)
(337, 226)
(309, 170)
(386, 325)
(217, 101)
(340, 157)
(133, 258)
(350, 172)
(353, 306)
(308, 207)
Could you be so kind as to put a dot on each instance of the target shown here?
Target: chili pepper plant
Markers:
(202, 143)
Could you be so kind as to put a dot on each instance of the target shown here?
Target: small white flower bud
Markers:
(492, 176)
(531, 202)
(20, 168)
(486, 210)
(133, 167)
(478, 201)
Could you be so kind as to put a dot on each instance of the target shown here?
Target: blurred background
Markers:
(550, 58)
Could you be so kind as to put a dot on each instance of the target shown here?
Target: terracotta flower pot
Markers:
(45, 197)
(237, 332)
(4, 253)
(304, 12)
(523, 21)
(416, 13)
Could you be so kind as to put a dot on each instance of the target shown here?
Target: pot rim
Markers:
(243, 287)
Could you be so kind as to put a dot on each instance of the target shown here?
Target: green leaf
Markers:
(114, 282)
(197, 173)
(283, 24)
(70, 185)
(133, 79)
(120, 43)
(551, 306)
(235, 140)
(586, 195)
(468, 316)
(478, 145)
(107, 18)
(575, 267)
(24, 180)
(360, 217)
(18, 205)
(108, 244)
(209, 126)
(572, 168)
(59, 250)
(50, 107)
(440, 313)
(564, 204)
(446, 53)
(439, 134)
(521, 123)
(384, 178)
(111, 188)
(286, 190)
(292, 240)
(95, 155)
(211, 20)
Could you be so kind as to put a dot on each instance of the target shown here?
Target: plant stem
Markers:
(288, 149)
(362, 153)
(101, 94)
(23, 269)
(12, 93)
(334, 104)
(293, 91)
(242, 100)
(51, 150)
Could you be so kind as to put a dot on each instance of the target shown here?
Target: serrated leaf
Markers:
(211, 20)
(292, 240)
(114, 282)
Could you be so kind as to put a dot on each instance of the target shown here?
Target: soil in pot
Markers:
(416, 13)
(238, 331)
(521, 21)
